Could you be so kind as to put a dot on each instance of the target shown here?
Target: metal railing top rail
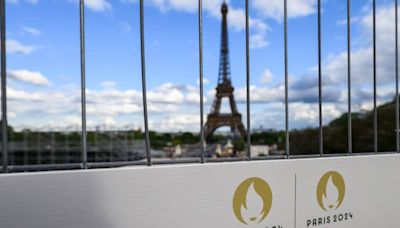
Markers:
(84, 164)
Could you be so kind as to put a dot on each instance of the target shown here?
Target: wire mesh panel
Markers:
(397, 77)
(335, 97)
(4, 158)
(362, 78)
(386, 76)
(124, 83)
(43, 90)
(267, 90)
(114, 92)
(303, 84)
(172, 78)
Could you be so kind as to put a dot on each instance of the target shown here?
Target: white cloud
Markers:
(362, 57)
(20, 95)
(98, 5)
(174, 108)
(109, 120)
(258, 41)
(165, 98)
(303, 91)
(304, 112)
(260, 94)
(32, 31)
(177, 122)
(15, 47)
(17, 1)
(205, 81)
(108, 85)
(353, 20)
(266, 77)
(274, 8)
(68, 121)
(125, 26)
(106, 106)
(32, 77)
(166, 93)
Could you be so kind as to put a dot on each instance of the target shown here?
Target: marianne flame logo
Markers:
(252, 201)
(331, 191)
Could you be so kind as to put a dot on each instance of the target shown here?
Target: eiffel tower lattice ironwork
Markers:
(224, 89)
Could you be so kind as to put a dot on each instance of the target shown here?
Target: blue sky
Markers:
(44, 63)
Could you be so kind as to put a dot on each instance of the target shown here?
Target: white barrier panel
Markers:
(346, 192)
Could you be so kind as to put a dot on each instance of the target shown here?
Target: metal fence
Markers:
(84, 164)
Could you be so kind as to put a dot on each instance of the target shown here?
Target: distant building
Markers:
(178, 151)
(225, 151)
(260, 150)
(218, 150)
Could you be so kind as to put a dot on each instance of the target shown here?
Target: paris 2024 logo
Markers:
(252, 201)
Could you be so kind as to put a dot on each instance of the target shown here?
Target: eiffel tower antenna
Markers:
(216, 119)
(224, 68)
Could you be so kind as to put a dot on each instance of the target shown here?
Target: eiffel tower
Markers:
(224, 89)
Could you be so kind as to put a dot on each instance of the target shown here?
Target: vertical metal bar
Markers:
(374, 71)
(349, 117)
(83, 83)
(4, 132)
(248, 81)
(96, 151)
(144, 87)
(38, 151)
(53, 149)
(25, 147)
(202, 140)
(287, 145)
(397, 79)
(321, 136)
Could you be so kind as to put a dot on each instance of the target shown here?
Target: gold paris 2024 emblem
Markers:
(252, 201)
(331, 191)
